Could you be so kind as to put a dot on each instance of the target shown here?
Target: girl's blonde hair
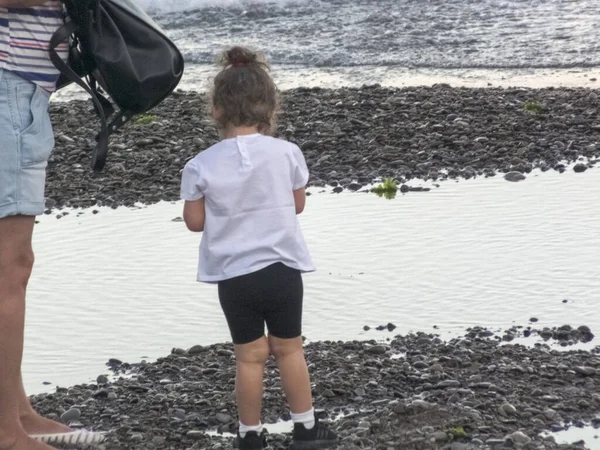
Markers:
(244, 94)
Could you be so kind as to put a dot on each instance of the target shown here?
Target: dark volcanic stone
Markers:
(343, 139)
(496, 392)
(514, 176)
(377, 350)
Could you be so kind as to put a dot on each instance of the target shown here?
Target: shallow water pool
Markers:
(481, 252)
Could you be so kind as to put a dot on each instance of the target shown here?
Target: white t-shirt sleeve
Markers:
(190, 183)
(301, 174)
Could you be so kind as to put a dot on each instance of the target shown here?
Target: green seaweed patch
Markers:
(388, 189)
(458, 432)
(145, 119)
(533, 107)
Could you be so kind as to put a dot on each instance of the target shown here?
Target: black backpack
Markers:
(121, 57)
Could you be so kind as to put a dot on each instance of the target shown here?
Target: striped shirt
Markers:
(25, 40)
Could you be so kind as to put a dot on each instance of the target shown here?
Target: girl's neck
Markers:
(231, 132)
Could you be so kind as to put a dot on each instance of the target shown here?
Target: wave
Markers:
(348, 60)
(173, 6)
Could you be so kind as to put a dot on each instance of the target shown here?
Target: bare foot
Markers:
(25, 443)
(35, 424)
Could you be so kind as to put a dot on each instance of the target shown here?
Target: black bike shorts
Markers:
(272, 295)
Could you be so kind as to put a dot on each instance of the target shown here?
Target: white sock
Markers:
(245, 429)
(307, 419)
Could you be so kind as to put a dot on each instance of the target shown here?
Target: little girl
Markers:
(244, 193)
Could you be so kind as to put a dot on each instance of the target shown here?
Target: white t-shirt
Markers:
(247, 183)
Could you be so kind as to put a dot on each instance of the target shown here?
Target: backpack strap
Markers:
(62, 35)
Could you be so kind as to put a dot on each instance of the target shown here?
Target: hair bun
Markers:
(240, 56)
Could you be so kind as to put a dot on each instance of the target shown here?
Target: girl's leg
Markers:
(293, 370)
(250, 368)
(240, 300)
(284, 320)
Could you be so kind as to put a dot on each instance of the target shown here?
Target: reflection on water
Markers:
(480, 252)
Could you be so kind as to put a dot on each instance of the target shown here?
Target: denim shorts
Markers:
(26, 141)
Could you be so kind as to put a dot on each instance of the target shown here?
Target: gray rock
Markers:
(196, 350)
(583, 404)
(158, 441)
(420, 405)
(377, 350)
(195, 434)
(462, 446)
(436, 368)
(440, 436)
(101, 393)
(448, 384)
(400, 408)
(178, 413)
(309, 145)
(65, 138)
(102, 379)
(514, 176)
(580, 168)
(507, 410)
(586, 371)
(364, 425)
(328, 393)
(144, 142)
(224, 418)
(419, 365)
(71, 415)
(518, 438)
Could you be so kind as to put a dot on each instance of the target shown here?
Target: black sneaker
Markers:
(252, 441)
(319, 436)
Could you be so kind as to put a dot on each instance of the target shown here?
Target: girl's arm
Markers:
(194, 215)
(300, 200)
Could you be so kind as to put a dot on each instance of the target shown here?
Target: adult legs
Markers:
(16, 262)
